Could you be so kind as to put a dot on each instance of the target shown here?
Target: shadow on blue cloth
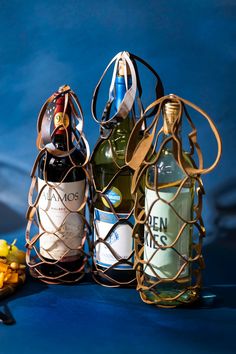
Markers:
(220, 254)
(10, 219)
(14, 182)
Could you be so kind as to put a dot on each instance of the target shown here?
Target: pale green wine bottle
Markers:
(108, 157)
(165, 224)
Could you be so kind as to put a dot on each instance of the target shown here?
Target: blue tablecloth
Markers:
(89, 318)
(192, 46)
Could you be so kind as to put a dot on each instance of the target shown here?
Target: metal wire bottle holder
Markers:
(44, 143)
(145, 156)
(133, 94)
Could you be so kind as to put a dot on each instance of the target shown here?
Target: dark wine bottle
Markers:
(108, 158)
(62, 227)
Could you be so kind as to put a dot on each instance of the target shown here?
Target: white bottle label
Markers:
(165, 226)
(54, 214)
(120, 239)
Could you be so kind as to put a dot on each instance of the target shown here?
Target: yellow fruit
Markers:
(13, 247)
(3, 267)
(14, 265)
(12, 255)
(1, 279)
(13, 278)
(15, 255)
(3, 248)
(7, 276)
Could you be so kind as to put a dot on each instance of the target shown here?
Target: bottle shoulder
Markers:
(168, 168)
(57, 167)
(102, 152)
(114, 148)
(109, 152)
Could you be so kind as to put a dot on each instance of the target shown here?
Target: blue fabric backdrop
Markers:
(192, 46)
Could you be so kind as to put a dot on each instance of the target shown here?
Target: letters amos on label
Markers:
(62, 225)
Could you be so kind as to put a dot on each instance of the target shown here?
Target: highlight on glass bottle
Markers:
(112, 247)
(169, 228)
(57, 227)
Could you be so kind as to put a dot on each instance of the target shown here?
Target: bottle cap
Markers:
(61, 118)
(64, 88)
(171, 111)
(121, 68)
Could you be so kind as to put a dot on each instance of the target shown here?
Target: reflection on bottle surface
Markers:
(61, 226)
(167, 237)
(109, 170)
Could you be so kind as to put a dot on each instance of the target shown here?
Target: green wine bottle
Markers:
(163, 225)
(114, 267)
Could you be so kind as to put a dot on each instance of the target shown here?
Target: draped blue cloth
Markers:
(191, 44)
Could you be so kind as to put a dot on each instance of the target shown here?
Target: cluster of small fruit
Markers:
(12, 264)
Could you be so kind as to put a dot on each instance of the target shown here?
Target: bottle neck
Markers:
(171, 111)
(120, 89)
(64, 121)
(60, 141)
(170, 144)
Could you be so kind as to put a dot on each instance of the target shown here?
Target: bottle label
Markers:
(120, 239)
(61, 119)
(165, 226)
(54, 214)
(115, 197)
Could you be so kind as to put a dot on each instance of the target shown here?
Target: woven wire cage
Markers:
(52, 268)
(168, 242)
(110, 275)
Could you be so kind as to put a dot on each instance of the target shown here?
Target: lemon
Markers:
(4, 249)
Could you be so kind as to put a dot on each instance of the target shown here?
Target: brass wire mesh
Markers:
(103, 276)
(106, 276)
(157, 289)
(34, 259)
